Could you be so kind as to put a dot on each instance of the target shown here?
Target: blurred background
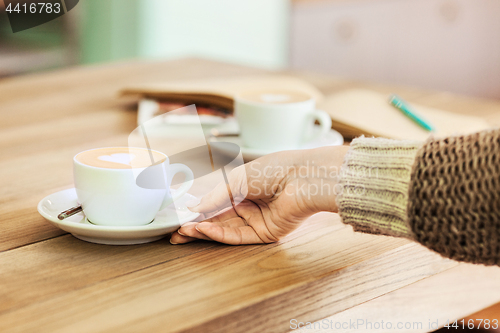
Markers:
(447, 45)
(451, 45)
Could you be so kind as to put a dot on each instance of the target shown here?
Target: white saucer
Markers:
(166, 221)
(331, 138)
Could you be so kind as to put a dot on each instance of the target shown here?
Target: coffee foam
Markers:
(275, 97)
(120, 157)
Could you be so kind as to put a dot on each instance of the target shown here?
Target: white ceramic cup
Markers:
(278, 120)
(112, 197)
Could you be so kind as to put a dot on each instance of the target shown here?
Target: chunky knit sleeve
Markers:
(444, 193)
(454, 197)
(374, 184)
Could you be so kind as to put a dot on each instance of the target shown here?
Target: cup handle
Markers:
(186, 185)
(325, 123)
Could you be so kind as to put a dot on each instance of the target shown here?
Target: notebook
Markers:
(358, 112)
(219, 92)
(354, 112)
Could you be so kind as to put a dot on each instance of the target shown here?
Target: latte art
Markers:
(120, 157)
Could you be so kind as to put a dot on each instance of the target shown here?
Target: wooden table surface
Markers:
(53, 282)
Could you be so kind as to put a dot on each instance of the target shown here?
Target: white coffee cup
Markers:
(106, 182)
(278, 120)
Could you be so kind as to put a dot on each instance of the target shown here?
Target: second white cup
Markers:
(279, 120)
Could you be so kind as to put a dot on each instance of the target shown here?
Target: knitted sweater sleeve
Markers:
(444, 193)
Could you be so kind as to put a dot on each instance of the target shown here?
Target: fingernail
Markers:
(202, 226)
(180, 233)
(195, 209)
(173, 242)
(192, 203)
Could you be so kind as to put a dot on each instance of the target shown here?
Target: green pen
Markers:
(403, 106)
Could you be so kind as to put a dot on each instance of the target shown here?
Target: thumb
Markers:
(220, 197)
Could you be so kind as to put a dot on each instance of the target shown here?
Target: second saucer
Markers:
(331, 138)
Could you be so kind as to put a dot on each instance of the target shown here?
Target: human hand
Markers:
(277, 193)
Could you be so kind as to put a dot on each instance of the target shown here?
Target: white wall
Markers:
(451, 45)
(252, 32)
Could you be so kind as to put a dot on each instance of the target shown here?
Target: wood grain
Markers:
(53, 282)
(300, 281)
(429, 303)
(349, 288)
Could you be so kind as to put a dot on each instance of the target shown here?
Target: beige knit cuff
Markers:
(375, 178)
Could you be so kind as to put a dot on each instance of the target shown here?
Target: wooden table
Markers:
(52, 282)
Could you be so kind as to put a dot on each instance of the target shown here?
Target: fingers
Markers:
(219, 198)
(215, 200)
(232, 230)
(177, 238)
(189, 230)
(187, 233)
(229, 235)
